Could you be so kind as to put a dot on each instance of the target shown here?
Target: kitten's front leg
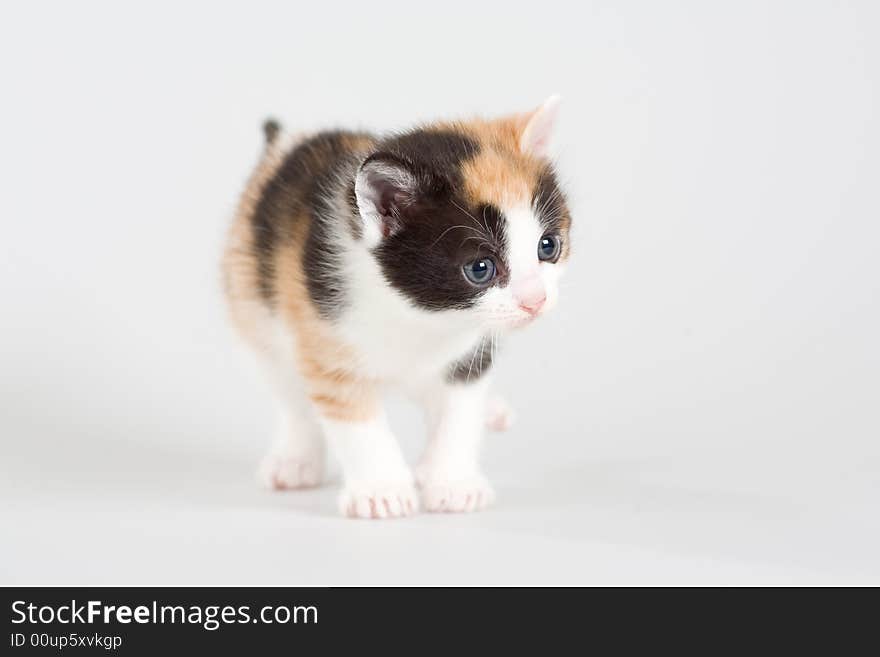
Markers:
(376, 480)
(449, 473)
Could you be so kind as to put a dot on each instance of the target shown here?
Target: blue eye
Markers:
(480, 272)
(548, 248)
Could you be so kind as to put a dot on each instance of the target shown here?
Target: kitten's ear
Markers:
(538, 129)
(385, 187)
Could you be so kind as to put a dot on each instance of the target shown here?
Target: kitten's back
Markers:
(294, 183)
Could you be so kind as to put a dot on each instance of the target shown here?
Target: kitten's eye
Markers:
(548, 248)
(480, 272)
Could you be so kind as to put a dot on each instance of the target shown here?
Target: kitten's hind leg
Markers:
(500, 416)
(296, 457)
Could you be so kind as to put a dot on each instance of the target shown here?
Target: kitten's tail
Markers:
(271, 130)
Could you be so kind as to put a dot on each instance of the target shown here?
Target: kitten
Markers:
(357, 262)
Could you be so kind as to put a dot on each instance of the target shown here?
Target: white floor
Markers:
(110, 510)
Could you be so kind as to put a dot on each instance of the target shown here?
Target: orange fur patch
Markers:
(501, 174)
(239, 263)
(325, 363)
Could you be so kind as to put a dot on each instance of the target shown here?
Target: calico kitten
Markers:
(357, 262)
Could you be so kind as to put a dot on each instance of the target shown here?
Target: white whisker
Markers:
(453, 228)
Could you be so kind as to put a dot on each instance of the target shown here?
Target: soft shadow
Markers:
(97, 468)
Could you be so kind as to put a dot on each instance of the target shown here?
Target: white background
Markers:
(702, 407)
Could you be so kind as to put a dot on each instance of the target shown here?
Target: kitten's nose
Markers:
(530, 295)
(532, 306)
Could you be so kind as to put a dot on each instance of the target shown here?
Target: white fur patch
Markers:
(449, 473)
(500, 306)
(377, 481)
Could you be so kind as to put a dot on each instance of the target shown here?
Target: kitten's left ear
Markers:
(385, 188)
(535, 137)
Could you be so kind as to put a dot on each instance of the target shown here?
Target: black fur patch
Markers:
(297, 190)
(271, 128)
(550, 203)
(474, 365)
(425, 257)
(438, 232)
(439, 152)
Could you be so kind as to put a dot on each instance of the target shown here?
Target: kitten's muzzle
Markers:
(530, 295)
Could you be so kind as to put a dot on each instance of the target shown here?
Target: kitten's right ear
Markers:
(535, 136)
(385, 188)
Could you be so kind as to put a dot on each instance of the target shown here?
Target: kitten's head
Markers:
(469, 217)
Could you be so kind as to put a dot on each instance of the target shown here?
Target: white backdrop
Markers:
(702, 408)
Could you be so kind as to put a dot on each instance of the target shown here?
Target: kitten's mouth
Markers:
(522, 319)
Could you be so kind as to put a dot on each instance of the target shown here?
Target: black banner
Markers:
(134, 621)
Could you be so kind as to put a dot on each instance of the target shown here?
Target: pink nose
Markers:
(530, 295)
(532, 306)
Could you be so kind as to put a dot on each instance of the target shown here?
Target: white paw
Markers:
(499, 414)
(456, 494)
(284, 469)
(378, 500)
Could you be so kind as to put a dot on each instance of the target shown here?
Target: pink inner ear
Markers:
(540, 144)
(536, 138)
(536, 135)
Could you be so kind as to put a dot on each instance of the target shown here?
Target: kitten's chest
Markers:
(396, 350)
(394, 340)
